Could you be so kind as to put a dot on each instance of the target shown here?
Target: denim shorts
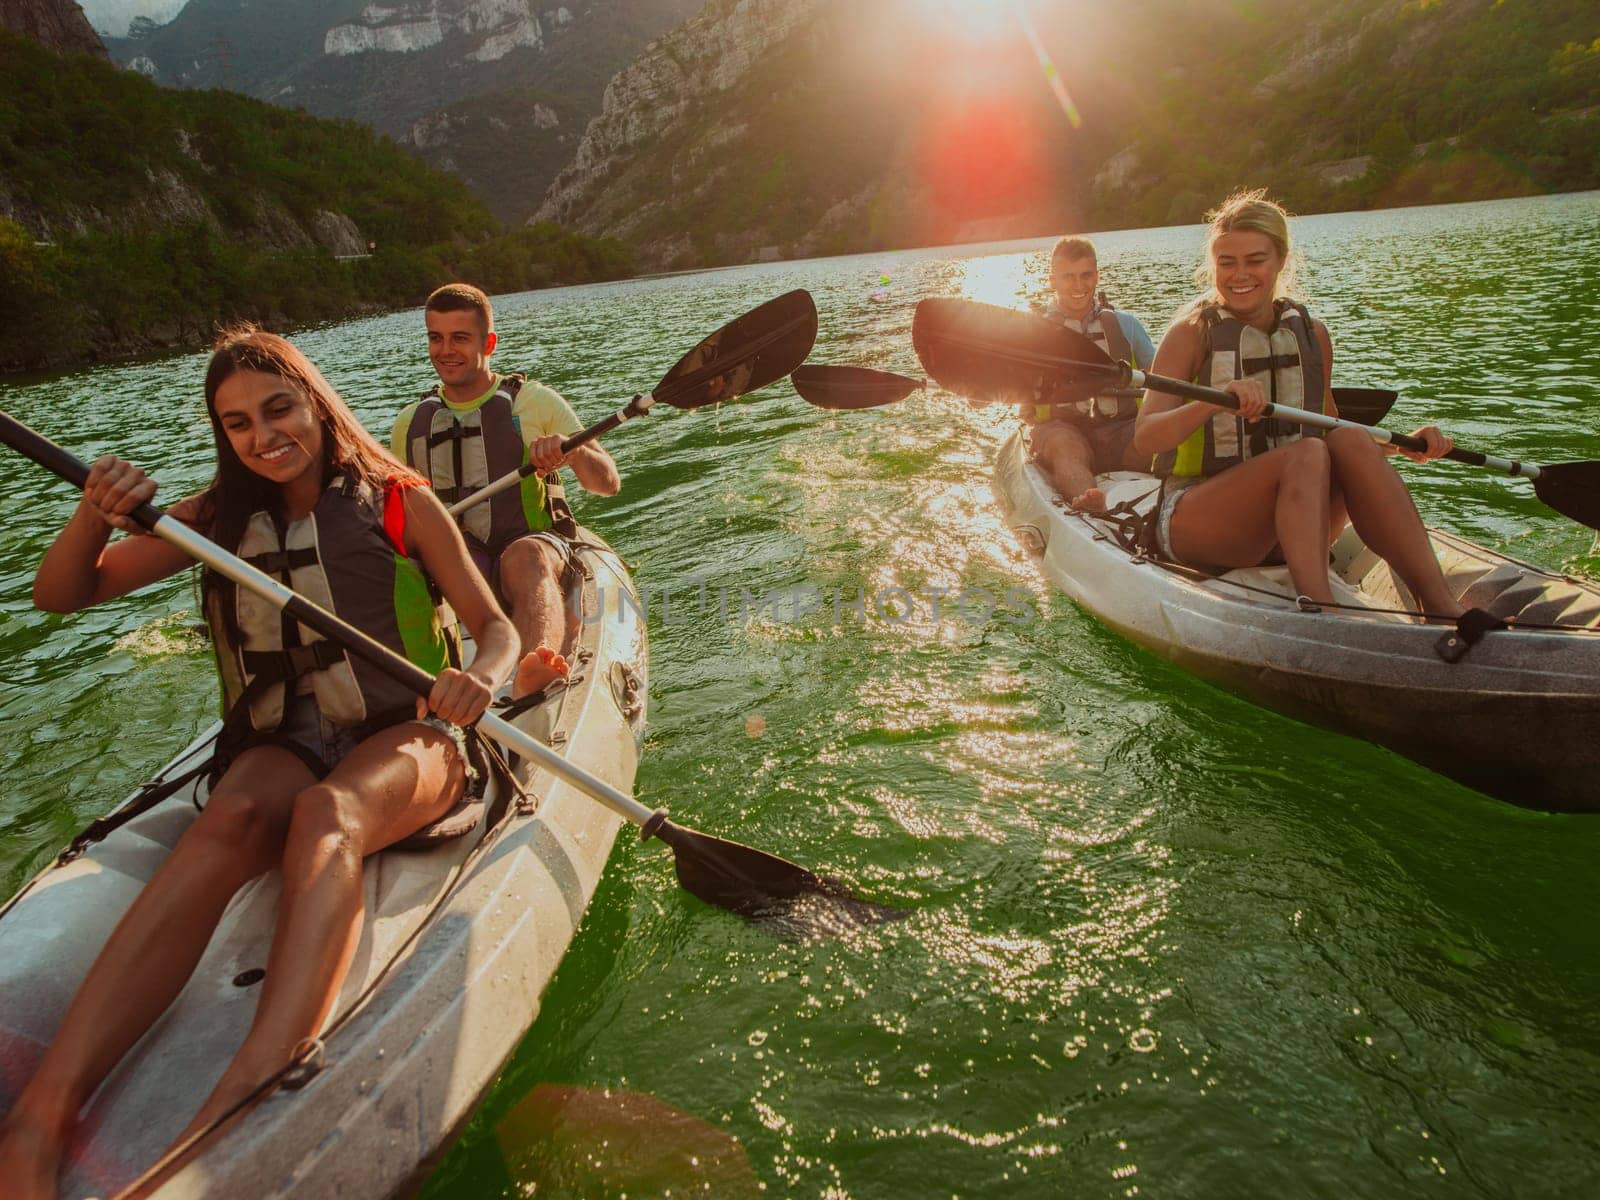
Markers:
(1163, 519)
(489, 564)
(322, 744)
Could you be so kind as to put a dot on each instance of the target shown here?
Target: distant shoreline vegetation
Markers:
(102, 297)
(134, 219)
(166, 211)
(1516, 154)
(1425, 102)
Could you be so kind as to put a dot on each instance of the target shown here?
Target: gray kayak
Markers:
(1514, 716)
(460, 940)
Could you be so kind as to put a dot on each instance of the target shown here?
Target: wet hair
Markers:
(1070, 249)
(462, 297)
(1248, 212)
(237, 492)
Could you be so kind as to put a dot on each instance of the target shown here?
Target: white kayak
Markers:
(1515, 713)
(459, 942)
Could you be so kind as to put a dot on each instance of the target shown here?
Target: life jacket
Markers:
(348, 556)
(1103, 329)
(1287, 362)
(460, 453)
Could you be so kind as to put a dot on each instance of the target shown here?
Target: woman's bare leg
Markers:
(1279, 498)
(149, 957)
(1386, 517)
(1338, 514)
(391, 785)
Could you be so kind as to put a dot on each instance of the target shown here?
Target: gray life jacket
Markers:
(1287, 362)
(346, 555)
(1102, 328)
(460, 453)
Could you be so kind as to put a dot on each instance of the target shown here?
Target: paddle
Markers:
(1365, 406)
(747, 353)
(955, 339)
(851, 388)
(995, 355)
(749, 882)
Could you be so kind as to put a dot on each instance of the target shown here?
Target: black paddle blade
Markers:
(993, 354)
(1367, 406)
(1572, 489)
(748, 352)
(771, 891)
(850, 388)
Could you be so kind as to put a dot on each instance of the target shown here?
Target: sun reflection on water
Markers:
(1003, 279)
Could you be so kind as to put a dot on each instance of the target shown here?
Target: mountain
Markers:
(58, 24)
(133, 217)
(113, 18)
(495, 90)
(1362, 104)
(818, 126)
(797, 127)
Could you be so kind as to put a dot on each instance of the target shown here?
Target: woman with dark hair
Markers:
(1237, 490)
(322, 761)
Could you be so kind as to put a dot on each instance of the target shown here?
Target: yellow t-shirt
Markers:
(539, 409)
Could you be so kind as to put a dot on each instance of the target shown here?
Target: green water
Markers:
(1161, 942)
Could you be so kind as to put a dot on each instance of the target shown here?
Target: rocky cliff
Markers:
(496, 91)
(795, 127)
(113, 18)
(58, 24)
(768, 128)
(673, 80)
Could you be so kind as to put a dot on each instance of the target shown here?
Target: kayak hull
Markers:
(460, 941)
(1514, 717)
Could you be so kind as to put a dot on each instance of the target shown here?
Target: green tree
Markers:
(1390, 147)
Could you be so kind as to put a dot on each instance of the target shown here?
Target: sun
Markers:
(973, 18)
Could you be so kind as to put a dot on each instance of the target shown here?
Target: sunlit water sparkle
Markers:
(1160, 942)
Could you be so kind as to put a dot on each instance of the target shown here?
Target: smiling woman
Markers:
(320, 763)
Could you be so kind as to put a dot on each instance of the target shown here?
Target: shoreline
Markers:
(149, 349)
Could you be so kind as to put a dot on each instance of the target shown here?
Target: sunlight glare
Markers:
(1048, 66)
(974, 18)
(998, 279)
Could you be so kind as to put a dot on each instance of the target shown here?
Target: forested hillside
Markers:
(134, 217)
(1366, 104)
(496, 91)
(811, 126)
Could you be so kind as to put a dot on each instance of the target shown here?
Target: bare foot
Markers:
(1090, 500)
(536, 670)
(29, 1161)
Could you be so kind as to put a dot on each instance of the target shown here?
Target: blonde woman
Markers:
(1240, 491)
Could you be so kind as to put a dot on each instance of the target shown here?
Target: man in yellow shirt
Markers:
(475, 426)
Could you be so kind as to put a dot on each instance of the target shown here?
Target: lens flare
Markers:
(1048, 66)
(991, 20)
(972, 18)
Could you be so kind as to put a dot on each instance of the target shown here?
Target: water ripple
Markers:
(1161, 942)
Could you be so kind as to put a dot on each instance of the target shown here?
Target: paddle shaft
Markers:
(717, 366)
(639, 406)
(71, 468)
(1195, 391)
